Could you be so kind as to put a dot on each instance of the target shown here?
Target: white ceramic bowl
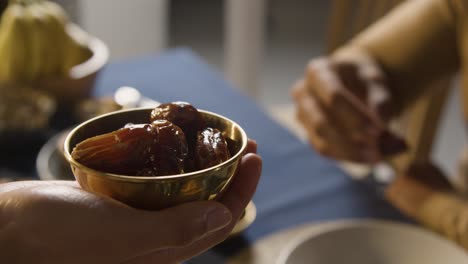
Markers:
(372, 242)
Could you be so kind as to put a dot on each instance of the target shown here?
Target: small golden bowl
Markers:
(160, 191)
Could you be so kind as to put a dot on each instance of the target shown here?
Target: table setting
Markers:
(307, 209)
(298, 188)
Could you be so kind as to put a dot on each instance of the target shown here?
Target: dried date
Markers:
(182, 114)
(152, 149)
(211, 149)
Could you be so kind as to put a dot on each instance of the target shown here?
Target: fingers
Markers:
(349, 76)
(251, 146)
(12, 186)
(174, 227)
(165, 236)
(327, 134)
(115, 231)
(236, 199)
(407, 194)
(419, 181)
(390, 144)
(341, 105)
(340, 92)
(244, 185)
(106, 230)
(379, 100)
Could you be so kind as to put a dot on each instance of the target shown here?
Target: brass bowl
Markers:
(160, 191)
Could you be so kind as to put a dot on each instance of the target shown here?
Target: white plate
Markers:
(371, 242)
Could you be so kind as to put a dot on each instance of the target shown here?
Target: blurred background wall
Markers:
(130, 28)
(294, 33)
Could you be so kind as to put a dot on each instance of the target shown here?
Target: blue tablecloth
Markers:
(297, 185)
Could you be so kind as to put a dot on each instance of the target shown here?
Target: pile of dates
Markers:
(176, 140)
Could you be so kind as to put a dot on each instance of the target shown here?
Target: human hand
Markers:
(425, 194)
(58, 222)
(409, 191)
(344, 106)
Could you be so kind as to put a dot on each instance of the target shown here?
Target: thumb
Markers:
(368, 83)
(174, 227)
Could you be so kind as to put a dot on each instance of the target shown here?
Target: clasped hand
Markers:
(58, 222)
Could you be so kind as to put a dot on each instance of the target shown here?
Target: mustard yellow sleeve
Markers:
(447, 215)
(415, 44)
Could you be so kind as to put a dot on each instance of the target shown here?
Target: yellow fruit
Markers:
(37, 41)
(36, 26)
(55, 39)
(13, 44)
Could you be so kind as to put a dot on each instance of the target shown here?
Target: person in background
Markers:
(345, 101)
(58, 222)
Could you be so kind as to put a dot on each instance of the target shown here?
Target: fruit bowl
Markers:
(42, 48)
(156, 192)
(79, 83)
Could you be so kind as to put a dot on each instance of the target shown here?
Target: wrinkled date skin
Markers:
(120, 152)
(188, 119)
(152, 149)
(168, 157)
(211, 149)
(181, 114)
(175, 141)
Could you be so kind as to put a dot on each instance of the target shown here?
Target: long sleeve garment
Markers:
(418, 43)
